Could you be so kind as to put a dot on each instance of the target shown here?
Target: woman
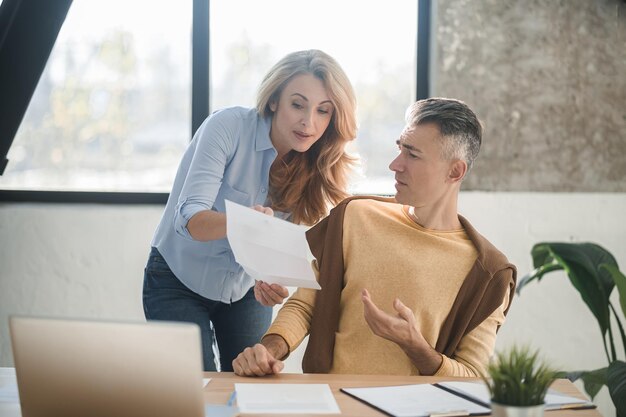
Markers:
(286, 156)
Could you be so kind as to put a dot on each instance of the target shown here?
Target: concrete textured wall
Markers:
(548, 78)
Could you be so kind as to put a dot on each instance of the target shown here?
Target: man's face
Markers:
(421, 173)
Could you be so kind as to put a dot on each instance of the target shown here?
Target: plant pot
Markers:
(504, 410)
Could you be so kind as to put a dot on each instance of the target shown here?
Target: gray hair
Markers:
(460, 128)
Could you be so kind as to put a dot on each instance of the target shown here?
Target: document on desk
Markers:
(286, 399)
(418, 400)
(268, 248)
(478, 392)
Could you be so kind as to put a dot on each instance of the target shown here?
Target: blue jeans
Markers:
(227, 329)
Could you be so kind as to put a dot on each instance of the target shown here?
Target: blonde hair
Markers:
(306, 183)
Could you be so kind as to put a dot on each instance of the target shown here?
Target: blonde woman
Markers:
(286, 157)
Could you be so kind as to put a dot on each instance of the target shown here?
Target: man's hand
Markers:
(260, 359)
(269, 295)
(400, 329)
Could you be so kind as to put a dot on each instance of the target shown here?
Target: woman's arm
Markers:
(208, 225)
(215, 142)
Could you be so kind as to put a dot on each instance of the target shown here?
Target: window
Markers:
(112, 108)
(373, 41)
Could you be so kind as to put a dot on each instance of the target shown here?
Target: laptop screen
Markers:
(94, 368)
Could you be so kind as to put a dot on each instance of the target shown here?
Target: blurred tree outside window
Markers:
(111, 111)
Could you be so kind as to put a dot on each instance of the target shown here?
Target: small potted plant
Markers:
(518, 381)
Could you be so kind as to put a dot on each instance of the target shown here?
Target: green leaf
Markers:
(537, 274)
(619, 326)
(541, 254)
(593, 380)
(620, 282)
(581, 262)
(616, 381)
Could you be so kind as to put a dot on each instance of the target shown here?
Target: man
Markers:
(408, 286)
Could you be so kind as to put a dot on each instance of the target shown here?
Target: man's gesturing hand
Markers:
(400, 329)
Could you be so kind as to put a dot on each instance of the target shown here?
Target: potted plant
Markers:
(594, 273)
(518, 381)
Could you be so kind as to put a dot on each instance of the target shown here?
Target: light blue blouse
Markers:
(229, 158)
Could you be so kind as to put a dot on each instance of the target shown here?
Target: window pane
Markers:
(111, 111)
(373, 41)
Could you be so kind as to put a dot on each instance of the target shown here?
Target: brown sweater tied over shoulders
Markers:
(480, 294)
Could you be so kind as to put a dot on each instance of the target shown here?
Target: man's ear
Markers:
(458, 169)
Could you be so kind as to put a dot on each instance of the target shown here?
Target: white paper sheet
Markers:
(270, 249)
(554, 400)
(286, 399)
(418, 400)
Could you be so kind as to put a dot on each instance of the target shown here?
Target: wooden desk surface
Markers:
(220, 387)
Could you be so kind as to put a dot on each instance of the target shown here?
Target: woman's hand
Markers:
(269, 294)
(264, 210)
(266, 294)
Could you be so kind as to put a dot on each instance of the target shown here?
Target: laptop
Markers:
(84, 368)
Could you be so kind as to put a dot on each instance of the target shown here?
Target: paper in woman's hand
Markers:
(269, 249)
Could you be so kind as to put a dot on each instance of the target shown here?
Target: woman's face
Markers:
(301, 114)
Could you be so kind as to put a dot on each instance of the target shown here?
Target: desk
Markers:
(222, 385)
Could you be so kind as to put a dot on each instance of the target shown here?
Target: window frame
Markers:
(200, 109)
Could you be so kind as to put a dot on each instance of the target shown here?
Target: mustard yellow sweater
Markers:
(392, 256)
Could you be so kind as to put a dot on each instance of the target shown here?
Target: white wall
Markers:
(87, 261)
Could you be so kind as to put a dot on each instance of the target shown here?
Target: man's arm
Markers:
(286, 332)
(470, 358)
(472, 355)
